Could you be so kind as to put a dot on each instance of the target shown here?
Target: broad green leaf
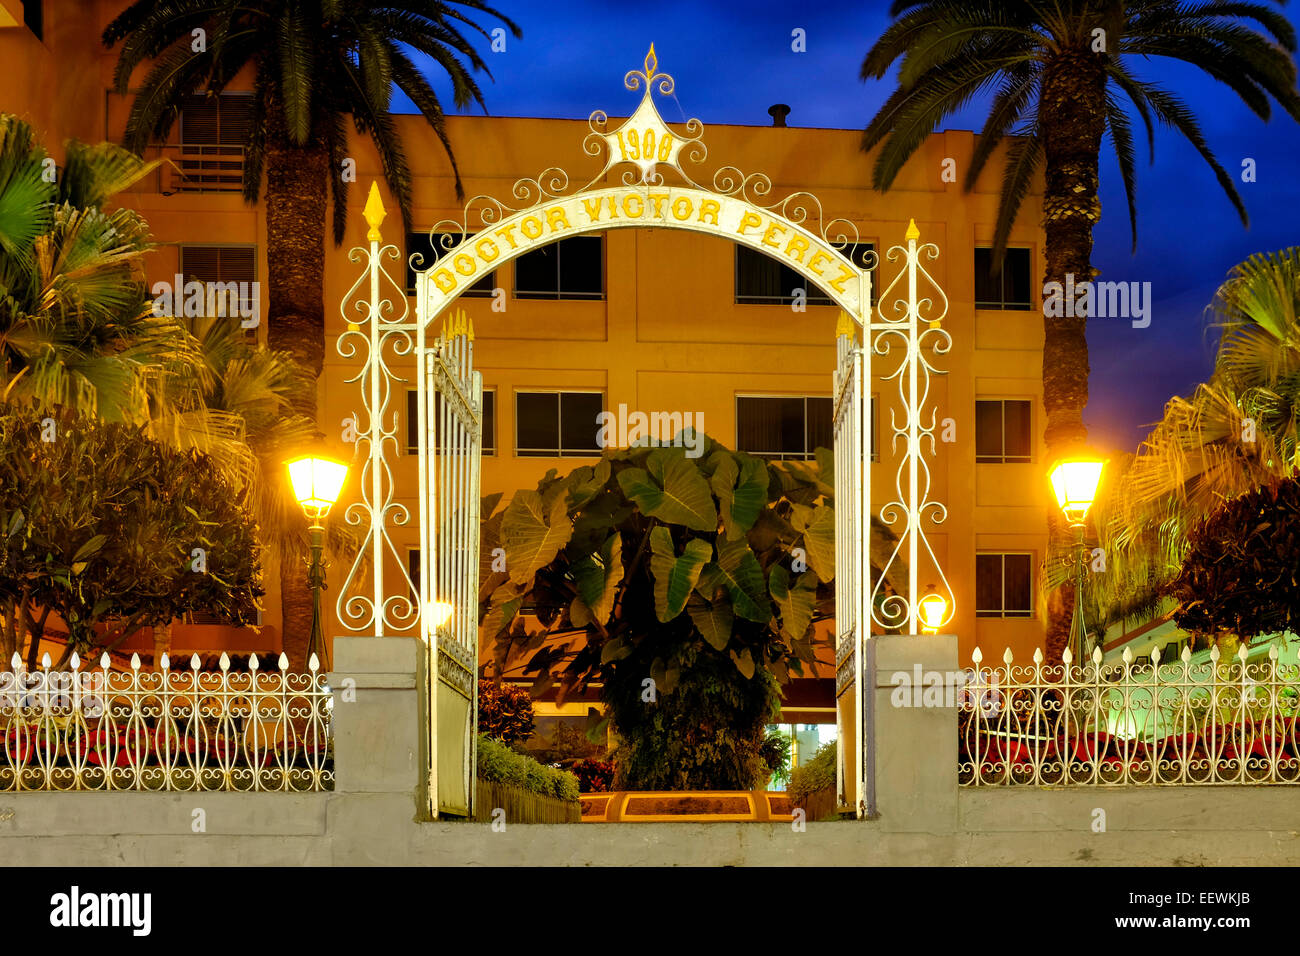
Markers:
(587, 482)
(579, 616)
(502, 608)
(819, 542)
(91, 547)
(675, 576)
(796, 602)
(713, 622)
(533, 534)
(671, 489)
(615, 649)
(743, 579)
(740, 483)
(597, 577)
(744, 662)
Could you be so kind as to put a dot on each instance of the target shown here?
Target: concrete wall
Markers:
(373, 815)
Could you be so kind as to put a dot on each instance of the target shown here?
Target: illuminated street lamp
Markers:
(1074, 482)
(316, 484)
(933, 608)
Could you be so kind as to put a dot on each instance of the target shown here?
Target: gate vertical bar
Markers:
(866, 650)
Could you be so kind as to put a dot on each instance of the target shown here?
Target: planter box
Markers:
(523, 806)
(685, 806)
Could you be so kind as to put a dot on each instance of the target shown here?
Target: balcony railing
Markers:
(198, 168)
(99, 729)
(1217, 721)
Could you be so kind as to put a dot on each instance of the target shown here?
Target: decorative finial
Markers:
(374, 213)
(844, 326)
(912, 232)
(458, 323)
(651, 63)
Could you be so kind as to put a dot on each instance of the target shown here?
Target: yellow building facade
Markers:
(650, 320)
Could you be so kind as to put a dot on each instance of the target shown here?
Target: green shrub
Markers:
(498, 763)
(816, 774)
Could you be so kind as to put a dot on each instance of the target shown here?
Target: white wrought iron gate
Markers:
(491, 233)
(852, 563)
(451, 437)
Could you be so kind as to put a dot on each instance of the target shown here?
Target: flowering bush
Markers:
(505, 712)
(594, 776)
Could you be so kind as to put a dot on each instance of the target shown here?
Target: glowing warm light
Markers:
(438, 612)
(933, 609)
(317, 483)
(1075, 481)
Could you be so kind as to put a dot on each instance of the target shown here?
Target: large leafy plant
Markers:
(688, 588)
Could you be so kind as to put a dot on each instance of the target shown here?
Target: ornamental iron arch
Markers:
(647, 156)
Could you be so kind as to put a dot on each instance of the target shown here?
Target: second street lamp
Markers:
(317, 483)
(1074, 482)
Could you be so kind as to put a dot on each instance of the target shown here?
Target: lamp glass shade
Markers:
(933, 608)
(317, 482)
(1074, 482)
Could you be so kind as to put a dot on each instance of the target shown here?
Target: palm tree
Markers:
(314, 66)
(235, 403)
(77, 326)
(1236, 432)
(1060, 72)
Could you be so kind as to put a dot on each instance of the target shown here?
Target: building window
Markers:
(1008, 289)
(431, 249)
(211, 265)
(413, 569)
(34, 17)
(784, 426)
(214, 134)
(764, 280)
(558, 424)
(1002, 432)
(413, 421)
(569, 269)
(1004, 585)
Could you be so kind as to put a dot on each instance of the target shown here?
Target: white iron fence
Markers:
(1218, 721)
(98, 729)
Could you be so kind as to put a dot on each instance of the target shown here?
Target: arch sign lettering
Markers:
(656, 191)
(644, 182)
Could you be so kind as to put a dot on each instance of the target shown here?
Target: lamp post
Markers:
(1074, 482)
(316, 484)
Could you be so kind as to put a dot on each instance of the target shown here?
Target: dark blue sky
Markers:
(732, 61)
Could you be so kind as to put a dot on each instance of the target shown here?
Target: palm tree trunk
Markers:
(1072, 121)
(296, 184)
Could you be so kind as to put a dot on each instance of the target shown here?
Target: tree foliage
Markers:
(314, 66)
(1235, 433)
(1025, 51)
(1242, 572)
(114, 531)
